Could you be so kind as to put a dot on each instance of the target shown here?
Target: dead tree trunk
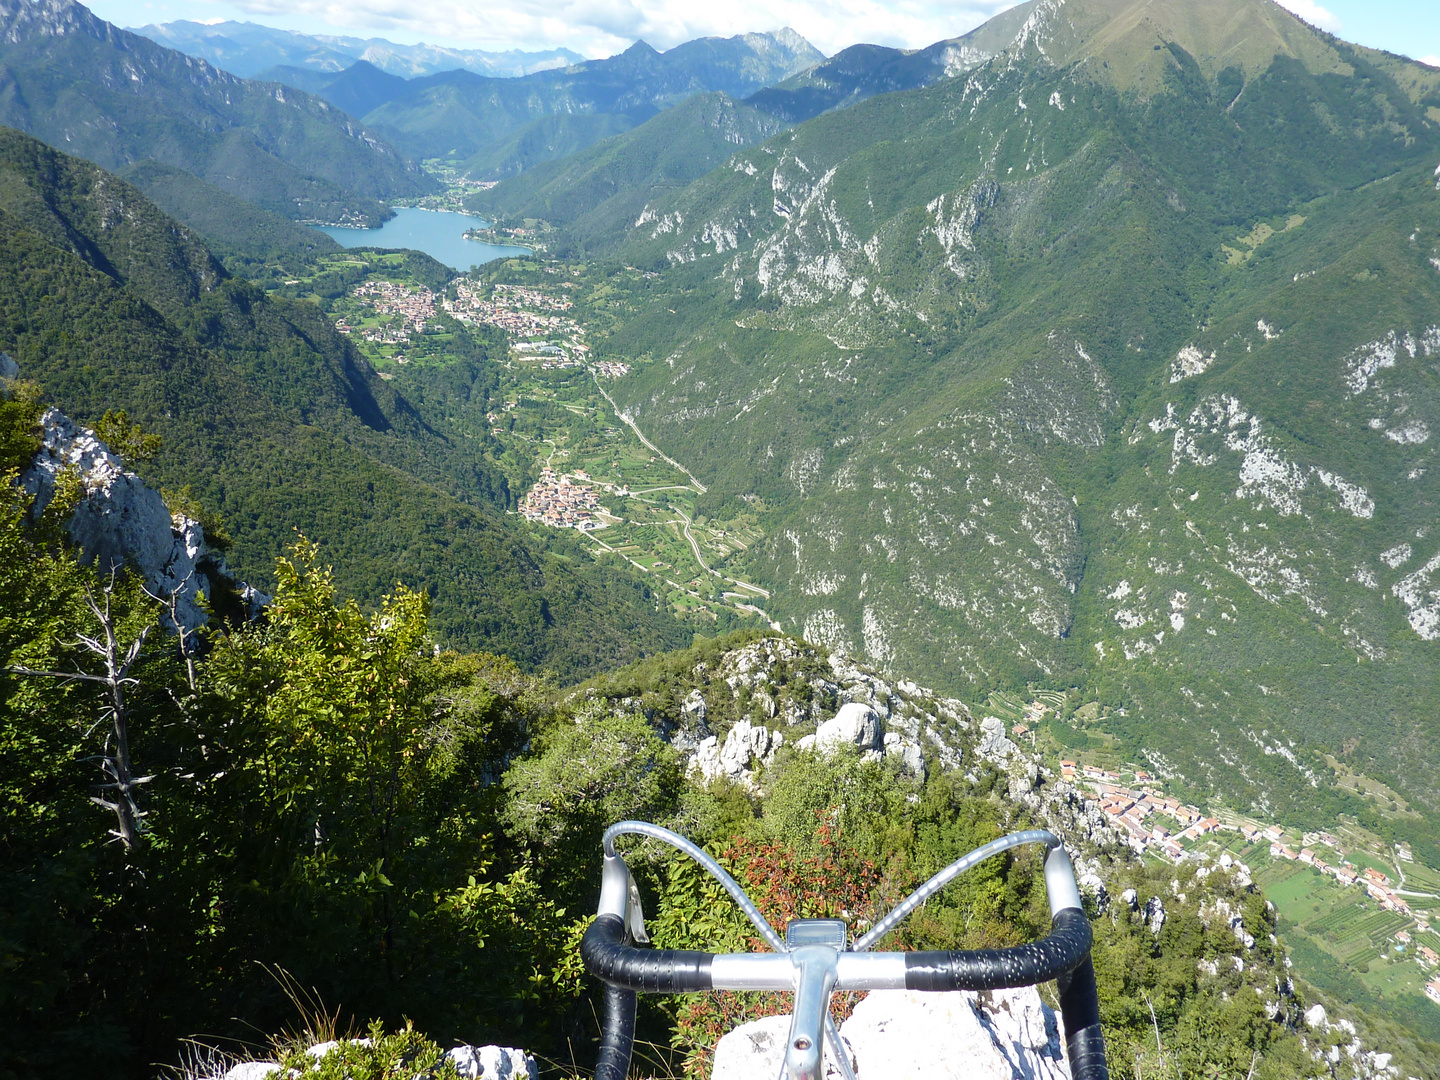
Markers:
(120, 791)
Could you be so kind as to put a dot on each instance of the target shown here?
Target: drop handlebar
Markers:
(815, 960)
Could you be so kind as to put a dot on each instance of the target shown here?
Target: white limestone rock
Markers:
(692, 729)
(1092, 886)
(494, 1063)
(906, 1035)
(120, 520)
(694, 709)
(745, 745)
(906, 751)
(252, 1070)
(856, 725)
(1154, 914)
(993, 745)
(755, 1051)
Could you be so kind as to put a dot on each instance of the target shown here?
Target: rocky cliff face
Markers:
(121, 522)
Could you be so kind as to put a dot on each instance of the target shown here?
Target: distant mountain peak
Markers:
(1124, 41)
(248, 48)
(787, 36)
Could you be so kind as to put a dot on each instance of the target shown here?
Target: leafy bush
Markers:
(126, 438)
(401, 1055)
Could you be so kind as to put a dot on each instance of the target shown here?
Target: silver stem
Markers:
(944, 877)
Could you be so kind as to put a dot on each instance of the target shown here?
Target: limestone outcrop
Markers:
(121, 521)
(745, 746)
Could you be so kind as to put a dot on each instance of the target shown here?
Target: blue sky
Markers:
(602, 27)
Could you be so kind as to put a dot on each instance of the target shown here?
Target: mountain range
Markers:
(684, 143)
(490, 127)
(246, 49)
(1107, 363)
(78, 82)
(1097, 353)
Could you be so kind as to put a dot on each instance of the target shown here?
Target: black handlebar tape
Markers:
(1067, 946)
(1080, 1008)
(653, 971)
(617, 1039)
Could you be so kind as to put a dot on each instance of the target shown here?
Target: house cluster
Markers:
(1375, 883)
(532, 298)
(416, 306)
(1130, 805)
(508, 309)
(611, 369)
(563, 501)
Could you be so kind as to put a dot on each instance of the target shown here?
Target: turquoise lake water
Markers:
(438, 233)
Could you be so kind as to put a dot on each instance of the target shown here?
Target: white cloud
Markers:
(602, 27)
(1312, 13)
(1433, 61)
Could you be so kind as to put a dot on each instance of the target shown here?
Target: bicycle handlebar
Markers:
(814, 971)
(673, 971)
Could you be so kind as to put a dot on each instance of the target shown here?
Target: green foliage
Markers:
(400, 1055)
(322, 799)
(19, 424)
(126, 438)
(66, 889)
(587, 774)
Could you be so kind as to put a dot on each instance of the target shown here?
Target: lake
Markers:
(438, 233)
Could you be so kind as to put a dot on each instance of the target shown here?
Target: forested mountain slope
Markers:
(1109, 364)
(279, 425)
(232, 228)
(603, 188)
(81, 84)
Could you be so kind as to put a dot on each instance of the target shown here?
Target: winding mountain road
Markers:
(641, 436)
(684, 517)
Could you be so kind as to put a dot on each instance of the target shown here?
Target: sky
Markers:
(597, 28)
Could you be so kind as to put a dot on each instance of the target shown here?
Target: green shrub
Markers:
(404, 1055)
